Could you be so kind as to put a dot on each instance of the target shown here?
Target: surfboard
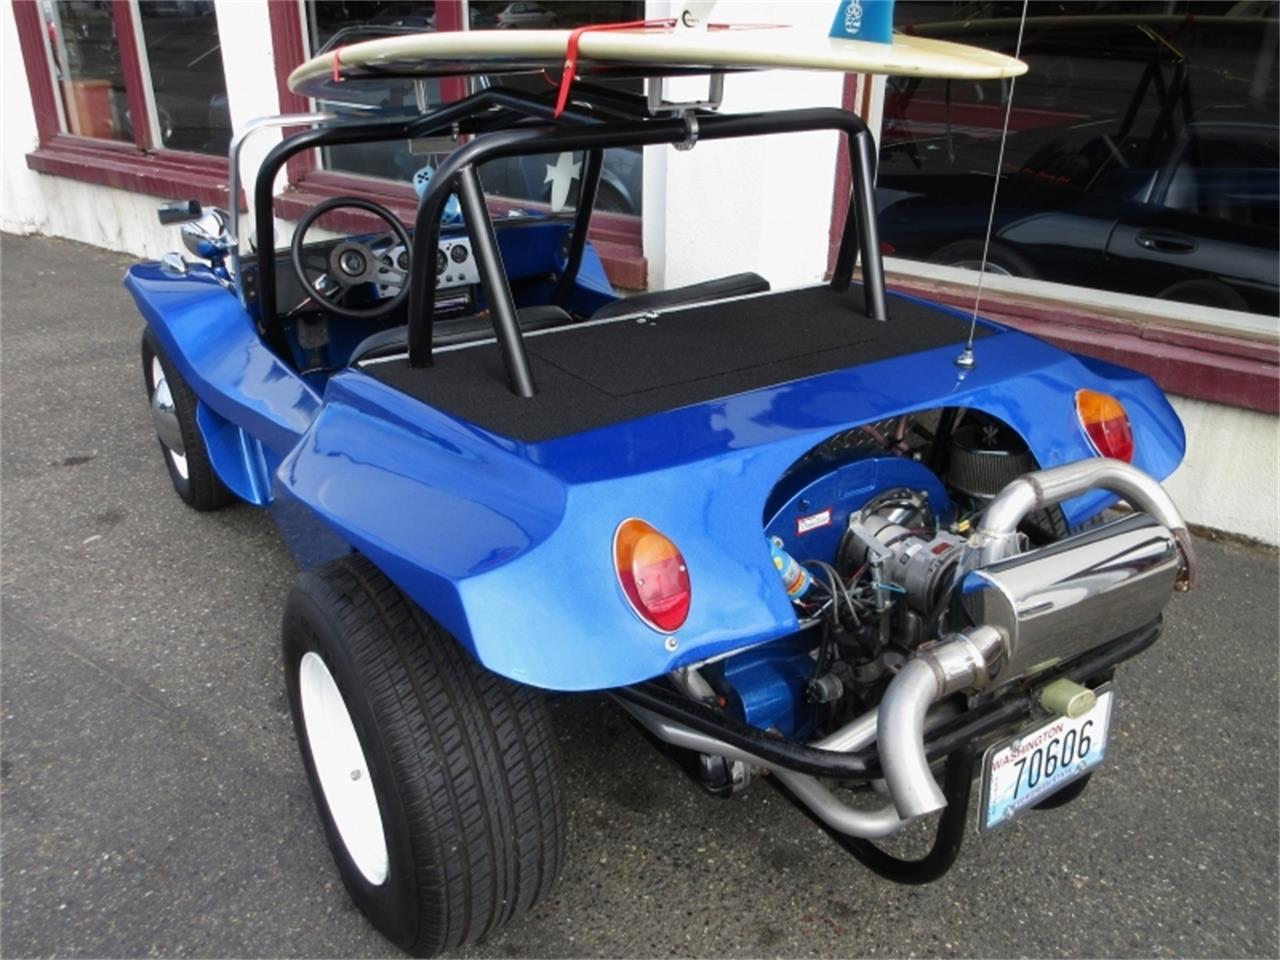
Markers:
(640, 52)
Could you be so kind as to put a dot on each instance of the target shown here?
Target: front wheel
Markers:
(173, 412)
(437, 781)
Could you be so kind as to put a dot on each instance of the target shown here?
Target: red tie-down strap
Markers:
(575, 38)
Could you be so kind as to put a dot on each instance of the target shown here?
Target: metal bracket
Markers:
(658, 105)
(691, 132)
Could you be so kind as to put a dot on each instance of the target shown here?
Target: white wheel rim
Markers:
(341, 768)
(179, 460)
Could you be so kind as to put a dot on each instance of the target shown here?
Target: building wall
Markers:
(1228, 480)
(105, 216)
(702, 218)
(761, 204)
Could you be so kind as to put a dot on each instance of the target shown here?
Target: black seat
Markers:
(475, 326)
(737, 285)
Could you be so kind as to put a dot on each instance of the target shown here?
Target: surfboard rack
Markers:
(507, 123)
(659, 105)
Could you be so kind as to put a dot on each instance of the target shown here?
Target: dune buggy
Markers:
(785, 530)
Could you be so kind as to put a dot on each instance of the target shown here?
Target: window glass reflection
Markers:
(1141, 157)
(86, 63)
(185, 60)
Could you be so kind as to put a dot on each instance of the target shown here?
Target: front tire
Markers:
(458, 827)
(182, 443)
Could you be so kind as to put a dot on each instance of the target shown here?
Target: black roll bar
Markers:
(493, 280)
(502, 117)
(863, 233)
(578, 241)
(480, 111)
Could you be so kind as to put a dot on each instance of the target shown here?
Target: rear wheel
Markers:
(1001, 261)
(173, 412)
(437, 781)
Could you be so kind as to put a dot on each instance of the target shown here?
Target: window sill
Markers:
(616, 238)
(1233, 368)
(167, 174)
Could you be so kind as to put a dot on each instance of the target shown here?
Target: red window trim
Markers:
(168, 173)
(618, 239)
(1217, 367)
(161, 173)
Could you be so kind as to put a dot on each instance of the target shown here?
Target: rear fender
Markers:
(508, 544)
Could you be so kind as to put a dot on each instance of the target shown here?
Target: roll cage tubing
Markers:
(488, 112)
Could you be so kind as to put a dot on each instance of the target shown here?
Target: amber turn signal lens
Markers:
(1106, 424)
(653, 575)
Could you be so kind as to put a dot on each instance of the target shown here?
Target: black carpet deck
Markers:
(593, 376)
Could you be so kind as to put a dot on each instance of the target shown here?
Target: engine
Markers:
(868, 533)
(933, 577)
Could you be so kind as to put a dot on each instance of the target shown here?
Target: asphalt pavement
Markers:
(152, 802)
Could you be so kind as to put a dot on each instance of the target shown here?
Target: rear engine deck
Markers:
(597, 374)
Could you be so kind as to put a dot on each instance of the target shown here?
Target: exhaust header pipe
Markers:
(958, 662)
(996, 536)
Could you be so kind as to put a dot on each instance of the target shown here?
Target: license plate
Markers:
(1019, 773)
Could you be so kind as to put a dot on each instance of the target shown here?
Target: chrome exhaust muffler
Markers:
(1037, 609)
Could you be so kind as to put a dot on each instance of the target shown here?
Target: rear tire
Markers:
(462, 763)
(190, 468)
(1001, 261)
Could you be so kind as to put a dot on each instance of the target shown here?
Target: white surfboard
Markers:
(640, 52)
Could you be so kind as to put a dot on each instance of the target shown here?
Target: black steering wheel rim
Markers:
(300, 270)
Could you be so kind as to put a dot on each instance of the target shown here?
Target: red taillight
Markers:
(653, 575)
(1106, 424)
(887, 248)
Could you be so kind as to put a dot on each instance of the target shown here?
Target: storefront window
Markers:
(1142, 154)
(529, 180)
(181, 63)
(86, 61)
(184, 57)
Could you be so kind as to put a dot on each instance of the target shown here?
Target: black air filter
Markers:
(986, 455)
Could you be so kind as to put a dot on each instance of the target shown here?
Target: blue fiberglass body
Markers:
(509, 544)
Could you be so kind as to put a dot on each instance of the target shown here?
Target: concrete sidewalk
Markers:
(154, 802)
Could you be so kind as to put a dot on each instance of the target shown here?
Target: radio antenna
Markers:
(966, 359)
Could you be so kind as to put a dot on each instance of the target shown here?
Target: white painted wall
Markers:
(1230, 479)
(21, 203)
(761, 204)
(120, 220)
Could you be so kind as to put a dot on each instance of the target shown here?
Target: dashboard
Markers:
(457, 271)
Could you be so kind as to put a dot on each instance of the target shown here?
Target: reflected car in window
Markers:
(1191, 218)
(525, 15)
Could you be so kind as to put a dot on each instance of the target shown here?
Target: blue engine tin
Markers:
(811, 522)
(766, 684)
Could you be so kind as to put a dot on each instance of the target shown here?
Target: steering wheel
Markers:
(328, 276)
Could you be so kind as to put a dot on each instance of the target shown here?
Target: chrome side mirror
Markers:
(209, 236)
